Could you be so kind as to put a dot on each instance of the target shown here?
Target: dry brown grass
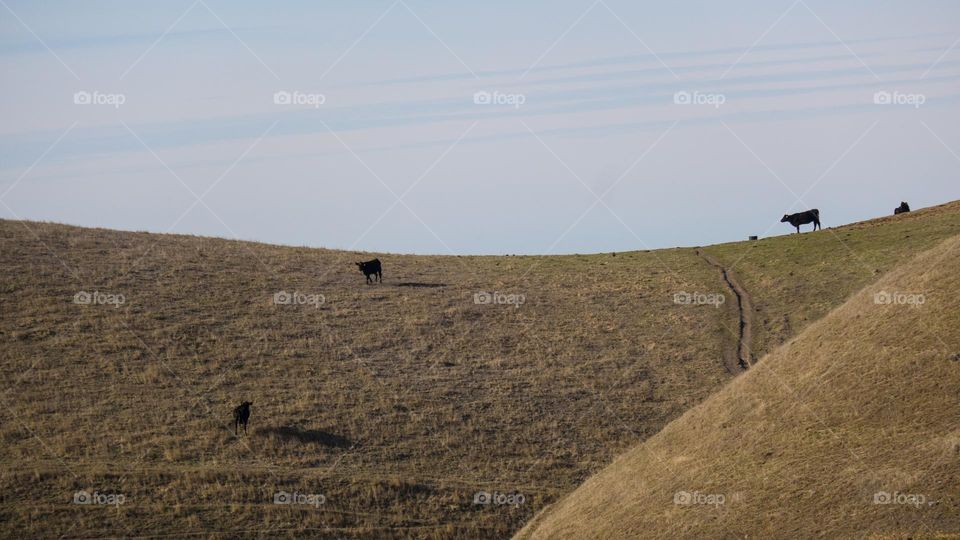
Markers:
(864, 401)
(797, 279)
(396, 401)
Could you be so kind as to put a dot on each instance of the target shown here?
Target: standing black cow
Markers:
(241, 415)
(802, 218)
(371, 268)
(902, 209)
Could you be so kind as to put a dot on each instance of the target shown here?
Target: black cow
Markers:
(902, 209)
(802, 218)
(241, 415)
(371, 268)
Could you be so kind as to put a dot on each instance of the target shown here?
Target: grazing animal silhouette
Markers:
(902, 209)
(802, 218)
(241, 415)
(371, 268)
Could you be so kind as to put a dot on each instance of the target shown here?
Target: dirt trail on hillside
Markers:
(740, 358)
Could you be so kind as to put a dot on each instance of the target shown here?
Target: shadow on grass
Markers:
(312, 436)
(421, 285)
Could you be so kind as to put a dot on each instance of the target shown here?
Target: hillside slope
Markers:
(852, 429)
(796, 279)
(397, 401)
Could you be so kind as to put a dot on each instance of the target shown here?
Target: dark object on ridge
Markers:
(902, 209)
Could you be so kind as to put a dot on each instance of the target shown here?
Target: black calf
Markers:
(241, 415)
(371, 268)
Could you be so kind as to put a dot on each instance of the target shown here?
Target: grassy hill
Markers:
(850, 430)
(397, 402)
(797, 279)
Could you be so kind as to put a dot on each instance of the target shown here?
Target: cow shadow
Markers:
(421, 285)
(308, 436)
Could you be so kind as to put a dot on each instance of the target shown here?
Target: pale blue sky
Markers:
(787, 119)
